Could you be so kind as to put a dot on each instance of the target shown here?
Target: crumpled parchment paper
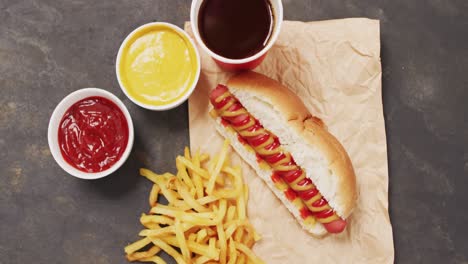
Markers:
(334, 66)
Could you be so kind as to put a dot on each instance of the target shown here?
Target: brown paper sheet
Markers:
(334, 66)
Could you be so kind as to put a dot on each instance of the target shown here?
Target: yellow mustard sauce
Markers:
(157, 66)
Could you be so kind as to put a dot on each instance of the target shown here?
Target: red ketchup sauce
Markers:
(93, 134)
(275, 177)
(305, 212)
(290, 194)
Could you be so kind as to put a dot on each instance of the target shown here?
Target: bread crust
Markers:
(310, 128)
(284, 99)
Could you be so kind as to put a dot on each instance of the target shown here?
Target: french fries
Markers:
(205, 220)
(153, 198)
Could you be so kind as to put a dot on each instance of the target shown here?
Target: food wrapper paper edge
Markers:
(334, 66)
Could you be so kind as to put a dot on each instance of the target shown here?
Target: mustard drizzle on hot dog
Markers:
(316, 204)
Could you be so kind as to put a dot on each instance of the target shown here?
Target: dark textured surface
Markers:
(50, 48)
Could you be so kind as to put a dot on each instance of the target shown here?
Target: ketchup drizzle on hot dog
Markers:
(275, 178)
(268, 149)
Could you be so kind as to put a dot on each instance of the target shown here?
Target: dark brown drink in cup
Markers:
(237, 34)
(236, 29)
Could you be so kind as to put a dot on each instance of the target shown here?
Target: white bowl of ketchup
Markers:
(90, 133)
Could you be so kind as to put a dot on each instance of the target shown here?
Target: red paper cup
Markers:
(238, 64)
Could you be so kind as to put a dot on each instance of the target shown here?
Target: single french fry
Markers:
(256, 236)
(193, 218)
(249, 242)
(212, 245)
(179, 232)
(197, 248)
(169, 183)
(193, 192)
(248, 239)
(204, 157)
(241, 258)
(153, 197)
(217, 168)
(222, 243)
(148, 223)
(143, 254)
(230, 213)
(153, 176)
(201, 235)
(221, 211)
(168, 175)
(169, 250)
(232, 252)
(189, 199)
(137, 245)
(182, 173)
(202, 172)
(241, 208)
(207, 199)
(230, 230)
(175, 196)
(253, 235)
(183, 206)
(212, 164)
(149, 174)
(248, 252)
(164, 231)
(187, 153)
(192, 237)
(205, 240)
(197, 181)
(154, 259)
(233, 171)
(159, 219)
(152, 226)
(239, 234)
(201, 259)
(189, 164)
(172, 211)
(208, 215)
(211, 231)
(193, 230)
(170, 195)
(232, 227)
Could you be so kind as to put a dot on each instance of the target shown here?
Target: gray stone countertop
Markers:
(50, 48)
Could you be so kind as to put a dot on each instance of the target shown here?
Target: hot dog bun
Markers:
(317, 229)
(314, 149)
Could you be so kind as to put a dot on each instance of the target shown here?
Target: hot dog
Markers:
(303, 164)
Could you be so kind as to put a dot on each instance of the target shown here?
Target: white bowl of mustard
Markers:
(158, 66)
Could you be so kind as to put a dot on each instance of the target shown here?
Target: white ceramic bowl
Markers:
(54, 124)
(189, 92)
